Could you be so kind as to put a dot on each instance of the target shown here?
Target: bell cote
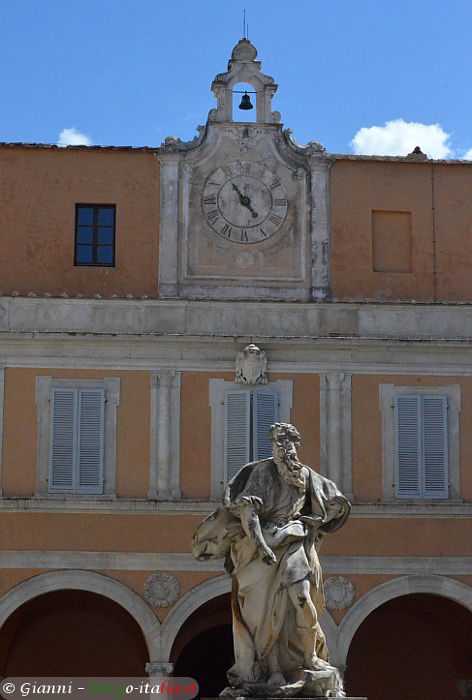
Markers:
(243, 68)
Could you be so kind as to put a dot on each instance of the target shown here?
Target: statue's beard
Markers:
(290, 469)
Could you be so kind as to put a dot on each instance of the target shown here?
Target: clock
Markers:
(244, 202)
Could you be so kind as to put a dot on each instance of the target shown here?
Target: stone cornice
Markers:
(135, 506)
(278, 320)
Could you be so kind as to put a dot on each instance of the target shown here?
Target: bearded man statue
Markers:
(268, 529)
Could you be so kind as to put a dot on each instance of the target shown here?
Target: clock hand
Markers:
(245, 201)
(239, 193)
(254, 213)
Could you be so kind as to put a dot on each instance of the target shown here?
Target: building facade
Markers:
(132, 279)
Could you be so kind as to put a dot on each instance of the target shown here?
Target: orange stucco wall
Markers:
(437, 196)
(19, 467)
(408, 537)
(367, 422)
(356, 189)
(453, 231)
(98, 532)
(39, 189)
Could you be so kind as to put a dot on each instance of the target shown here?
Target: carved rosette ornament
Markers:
(251, 365)
(161, 589)
(339, 592)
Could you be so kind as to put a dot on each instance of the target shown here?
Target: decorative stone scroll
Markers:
(161, 589)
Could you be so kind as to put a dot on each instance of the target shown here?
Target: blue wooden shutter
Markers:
(91, 414)
(63, 440)
(265, 411)
(421, 446)
(408, 445)
(435, 447)
(237, 431)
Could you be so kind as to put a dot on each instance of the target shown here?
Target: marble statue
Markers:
(268, 529)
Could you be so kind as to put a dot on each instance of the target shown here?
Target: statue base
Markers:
(277, 697)
(323, 681)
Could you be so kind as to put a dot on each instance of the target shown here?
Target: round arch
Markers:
(190, 602)
(93, 583)
(437, 585)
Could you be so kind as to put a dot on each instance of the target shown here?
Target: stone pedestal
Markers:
(318, 697)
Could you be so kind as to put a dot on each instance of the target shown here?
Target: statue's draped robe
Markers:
(263, 614)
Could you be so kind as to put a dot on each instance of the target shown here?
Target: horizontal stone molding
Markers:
(107, 504)
(406, 321)
(169, 561)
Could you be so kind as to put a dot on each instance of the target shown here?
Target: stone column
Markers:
(169, 223)
(336, 449)
(165, 436)
(159, 669)
(2, 392)
(320, 230)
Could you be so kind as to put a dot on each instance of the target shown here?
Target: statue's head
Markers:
(285, 440)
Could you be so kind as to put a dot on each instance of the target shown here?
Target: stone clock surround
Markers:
(208, 247)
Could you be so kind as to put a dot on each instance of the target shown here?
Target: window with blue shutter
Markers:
(77, 441)
(249, 415)
(421, 446)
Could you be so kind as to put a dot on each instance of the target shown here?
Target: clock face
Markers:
(244, 202)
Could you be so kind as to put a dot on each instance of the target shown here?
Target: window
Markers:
(77, 435)
(421, 446)
(421, 441)
(241, 418)
(76, 464)
(95, 234)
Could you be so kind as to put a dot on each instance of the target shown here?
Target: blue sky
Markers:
(125, 72)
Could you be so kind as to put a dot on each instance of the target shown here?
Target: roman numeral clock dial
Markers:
(244, 202)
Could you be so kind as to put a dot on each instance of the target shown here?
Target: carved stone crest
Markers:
(251, 365)
(161, 589)
(339, 592)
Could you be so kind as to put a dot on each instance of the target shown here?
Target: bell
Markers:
(245, 102)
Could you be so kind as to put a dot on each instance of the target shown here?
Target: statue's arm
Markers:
(248, 508)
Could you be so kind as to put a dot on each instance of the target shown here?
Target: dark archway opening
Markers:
(72, 633)
(203, 649)
(414, 646)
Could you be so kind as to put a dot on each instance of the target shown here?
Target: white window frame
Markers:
(388, 394)
(44, 390)
(218, 390)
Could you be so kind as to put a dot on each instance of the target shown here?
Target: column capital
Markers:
(159, 669)
(166, 378)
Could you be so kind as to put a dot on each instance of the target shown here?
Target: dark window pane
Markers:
(105, 254)
(106, 236)
(85, 216)
(106, 217)
(85, 234)
(84, 253)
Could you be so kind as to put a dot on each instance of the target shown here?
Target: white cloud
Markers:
(468, 155)
(398, 138)
(72, 137)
